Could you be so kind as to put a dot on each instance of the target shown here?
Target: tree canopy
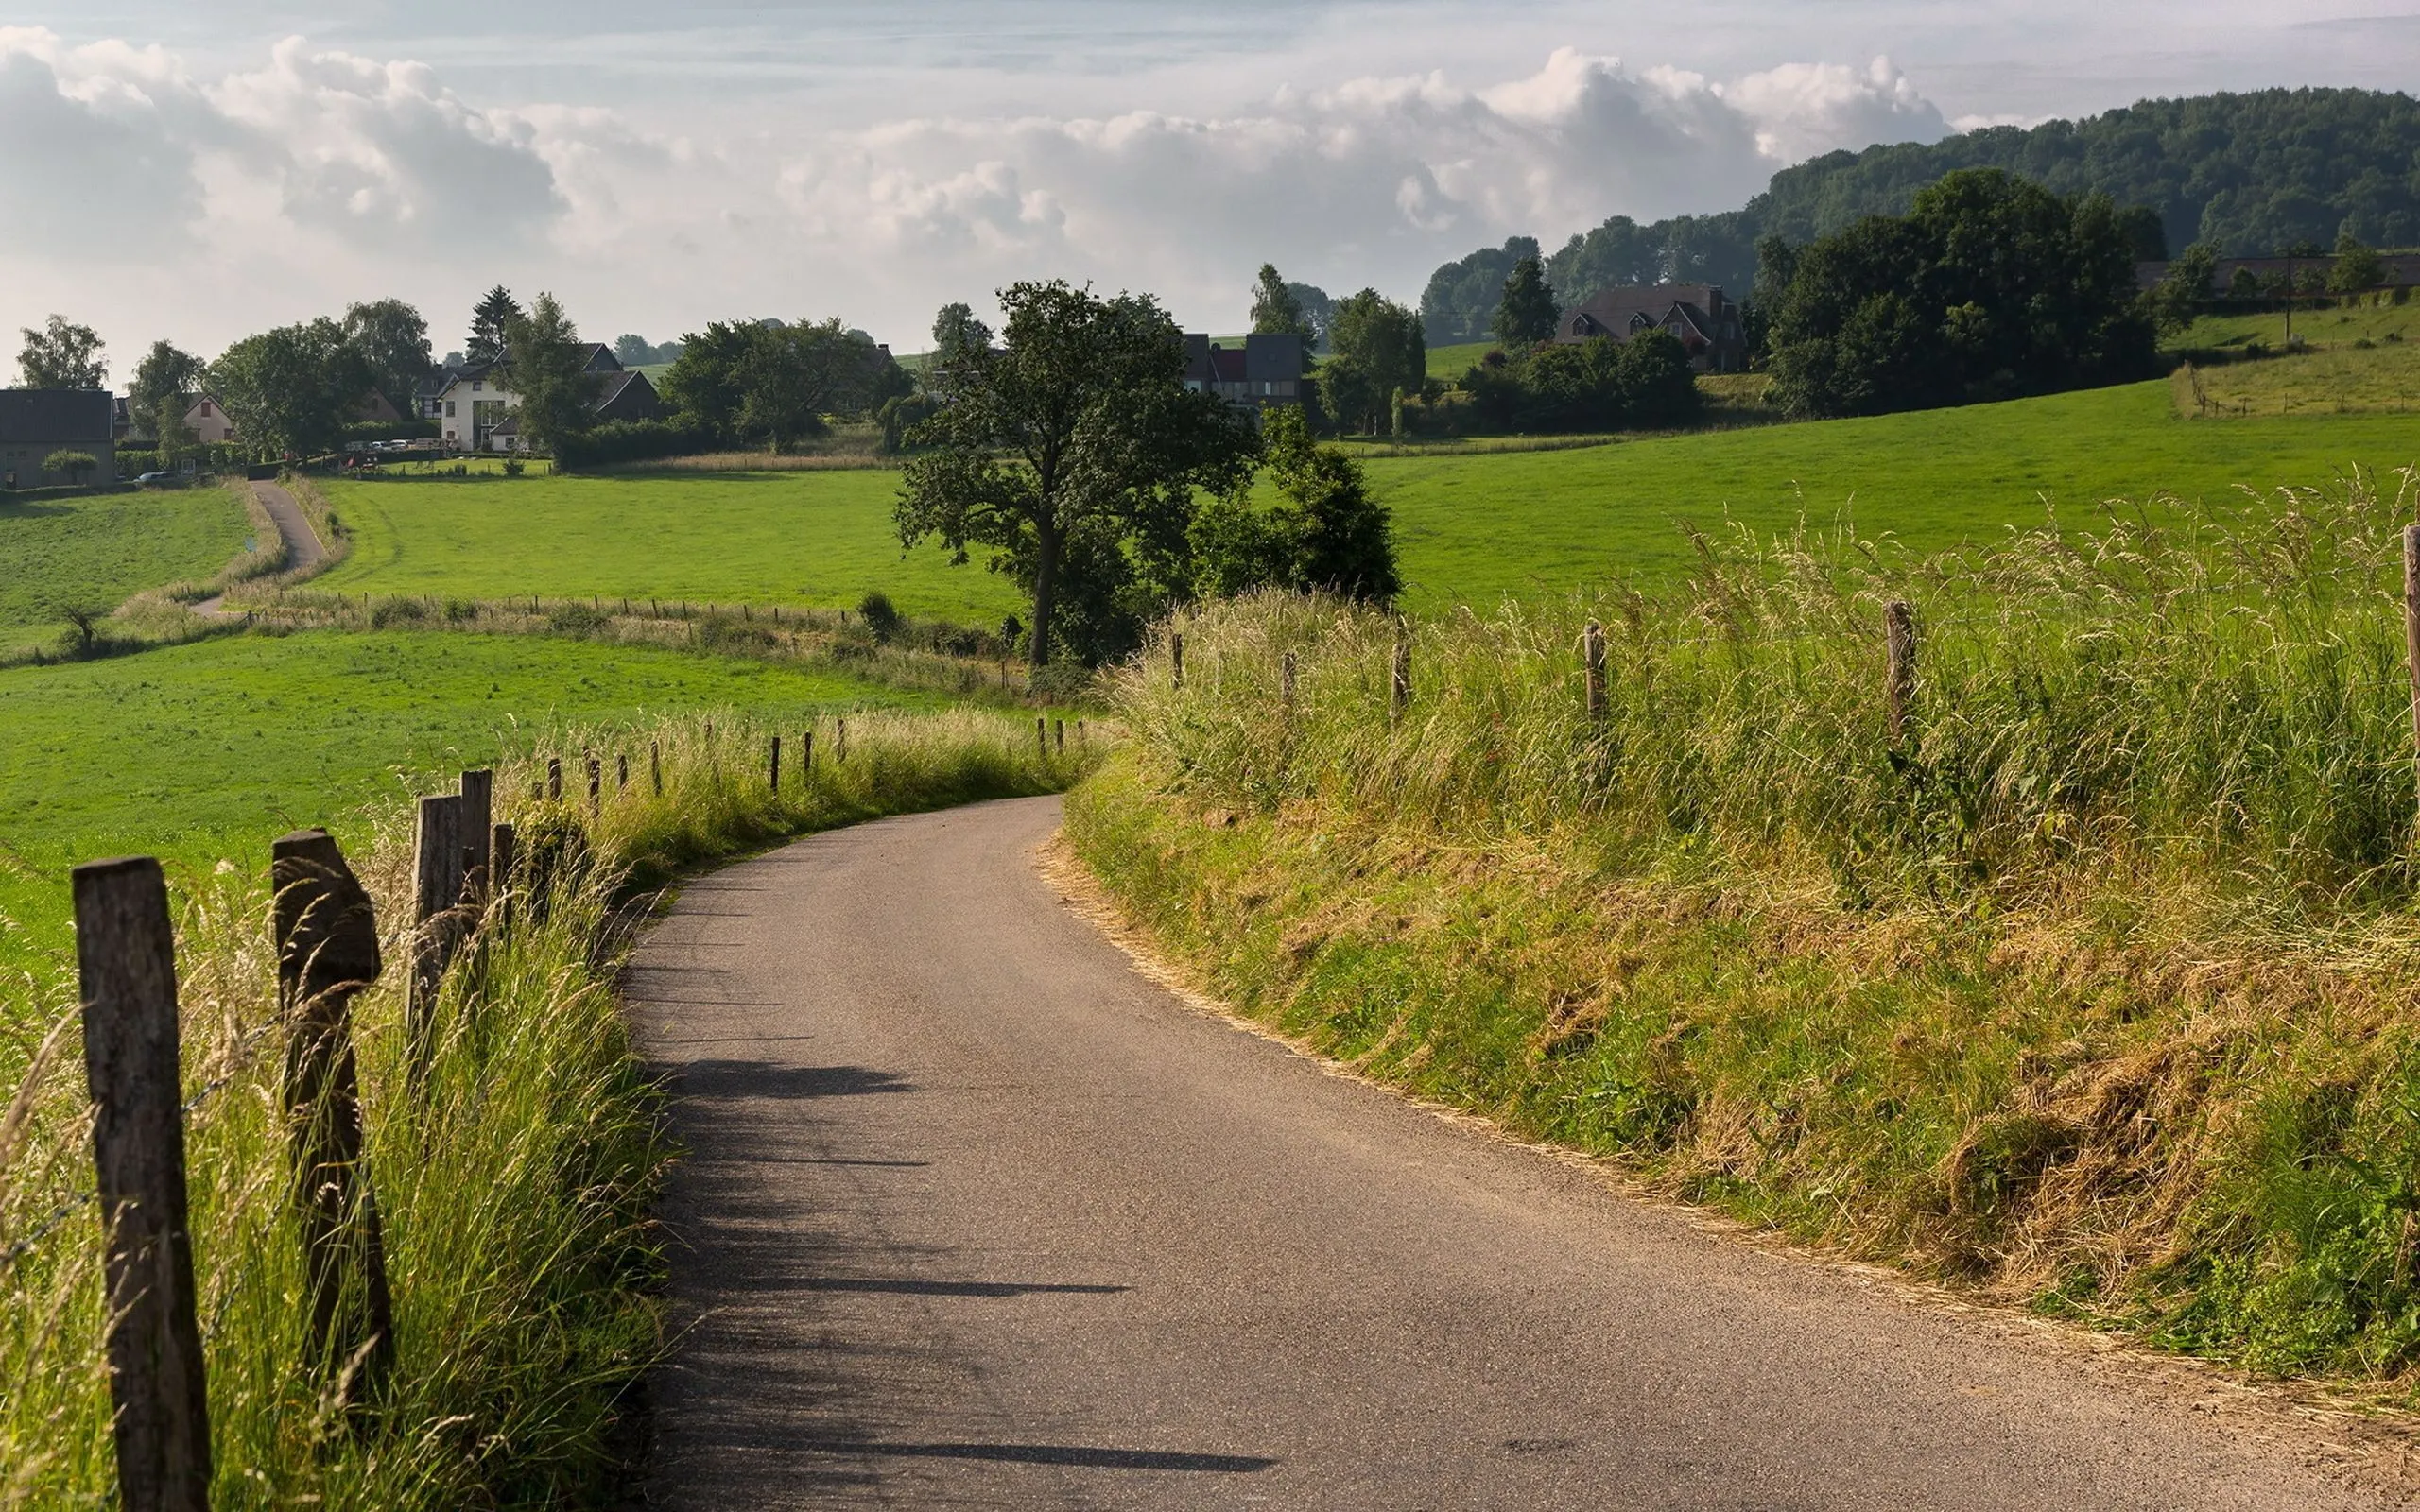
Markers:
(1644, 383)
(1992, 288)
(547, 365)
(61, 355)
(163, 381)
(772, 383)
(490, 319)
(392, 338)
(1073, 451)
(1324, 534)
(1378, 352)
(1525, 314)
(290, 391)
(1461, 300)
(1277, 310)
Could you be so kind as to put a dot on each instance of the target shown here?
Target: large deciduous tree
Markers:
(1277, 310)
(546, 365)
(289, 391)
(393, 340)
(1379, 352)
(60, 355)
(1074, 451)
(773, 384)
(1991, 288)
(161, 390)
(1525, 314)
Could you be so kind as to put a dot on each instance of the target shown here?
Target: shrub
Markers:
(576, 619)
(880, 616)
(642, 440)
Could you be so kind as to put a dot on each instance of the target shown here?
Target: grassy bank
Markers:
(514, 1189)
(93, 553)
(2093, 993)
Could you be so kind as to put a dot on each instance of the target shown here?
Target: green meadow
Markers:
(208, 751)
(95, 550)
(1473, 526)
(815, 538)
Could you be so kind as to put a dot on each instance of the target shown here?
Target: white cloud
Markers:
(293, 183)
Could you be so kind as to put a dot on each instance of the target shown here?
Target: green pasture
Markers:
(208, 751)
(2320, 327)
(815, 538)
(1473, 526)
(97, 550)
(1447, 364)
(1475, 530)
(2381, 377)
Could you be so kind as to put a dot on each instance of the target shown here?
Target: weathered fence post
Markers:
(501, 859)
(595, 785)
(479, 812)
(1041, 739)
(1176, 659)
(839, 741)
(775, 774)
(1402, 696)
(126, 954)
(2412, 625)
(1899, 635)
(554, 779)
(1058, 735)
(655, 765)
(437, 893)
(327, 951)
(806, 756)
(621, 771)
(1592, 644)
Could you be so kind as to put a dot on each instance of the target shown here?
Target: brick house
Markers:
(1264, 371)
(1705, 321)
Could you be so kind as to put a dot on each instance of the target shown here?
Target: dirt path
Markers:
(303, 552)
(974, 1214)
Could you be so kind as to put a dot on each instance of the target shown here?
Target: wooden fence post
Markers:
(501, 859)
(839, 741)
(1402, 694)
(437, 893)
(595, 785)
(1592, 642)
(554, 779)
(2411, 623)
(479, 812)
(655, 765)
(1899, 635)
(1058, 735)
(621, 771)
(1176, 659)
(806, 756)
(126, 954)
(327, 951)
(1041, 739)
(775, 773)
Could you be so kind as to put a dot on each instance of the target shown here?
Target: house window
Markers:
(449, 409)
(477, 384)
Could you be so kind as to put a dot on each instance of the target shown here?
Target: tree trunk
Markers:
(1045, 588)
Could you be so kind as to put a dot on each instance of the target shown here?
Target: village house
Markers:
(1264, 371)
(473, 405)
(1705, 322)
(34, 422)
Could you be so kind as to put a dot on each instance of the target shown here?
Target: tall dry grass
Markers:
(2097, 991)
(515, 1188)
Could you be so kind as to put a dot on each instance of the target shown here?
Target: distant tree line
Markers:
(2249, 175)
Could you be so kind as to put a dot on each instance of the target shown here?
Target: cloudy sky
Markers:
(198, 172)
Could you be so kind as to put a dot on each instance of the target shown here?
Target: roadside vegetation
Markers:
(514, 1188)
(2092, 991)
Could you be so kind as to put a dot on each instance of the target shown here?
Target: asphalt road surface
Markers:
(303, 552)
(974, 1214)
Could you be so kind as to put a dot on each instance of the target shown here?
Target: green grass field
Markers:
(1449, 363)
(98, 550)
(1473, 526)
(1473, 530)
(210, 750)
(2319, 327)
(762, 538)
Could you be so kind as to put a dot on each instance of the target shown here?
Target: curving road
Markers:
(975, 1216)
(303, 552)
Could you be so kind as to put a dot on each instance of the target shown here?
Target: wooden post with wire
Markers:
(125, 955)
(327, 951)
(621, 771)
(1401, 701)
(655, 765)
(478, 815)
(1176, 659)
(1041, 738)
(554, 779)
(1899, 637)
(595, 784)
(1592, 655)
(1059, 736)
(437, 898)
(773, 775)
(2412, 625)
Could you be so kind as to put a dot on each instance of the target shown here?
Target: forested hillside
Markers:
(2250, 173)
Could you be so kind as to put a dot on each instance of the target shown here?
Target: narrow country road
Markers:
(974, 1214)
(303, 552)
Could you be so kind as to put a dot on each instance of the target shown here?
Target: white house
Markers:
(472, 402)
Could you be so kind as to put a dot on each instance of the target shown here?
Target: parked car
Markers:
(157, 477)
